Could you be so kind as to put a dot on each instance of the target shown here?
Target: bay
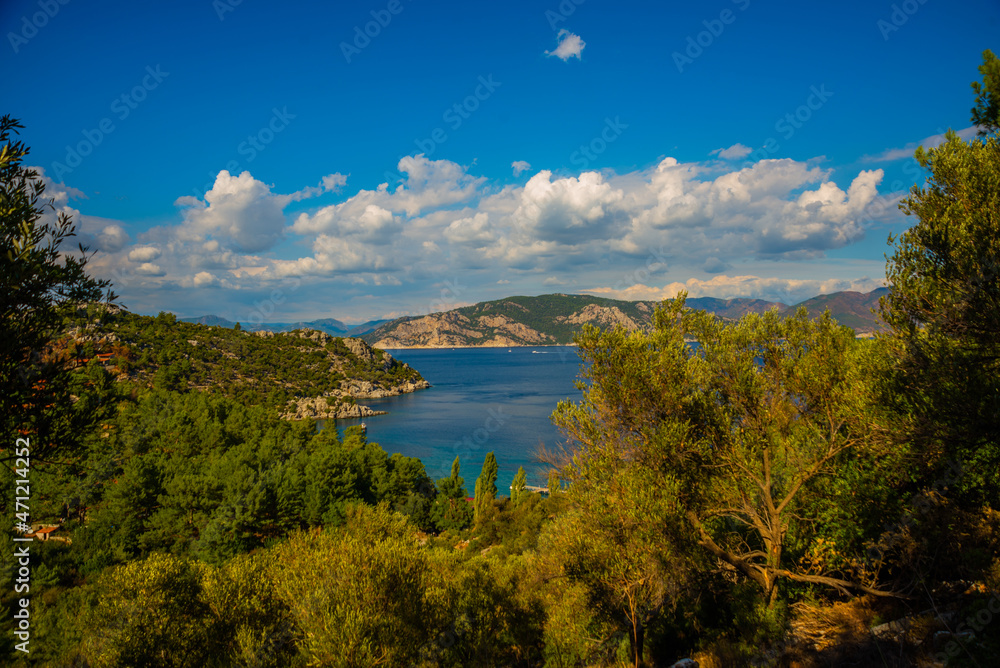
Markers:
(481, 400)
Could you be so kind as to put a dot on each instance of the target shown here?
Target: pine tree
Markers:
(517, 487)
(486, 487)
(450, 508)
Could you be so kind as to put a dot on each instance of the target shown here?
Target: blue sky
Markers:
(229, 158)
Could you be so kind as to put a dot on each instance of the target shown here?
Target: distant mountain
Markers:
(331, 326)
(554, 319)
(733, 308)
(514, 321)
(211, 321)
(853, 309)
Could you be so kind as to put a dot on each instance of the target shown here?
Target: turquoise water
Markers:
(482, 400)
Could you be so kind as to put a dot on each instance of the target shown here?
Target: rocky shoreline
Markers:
(343, 402)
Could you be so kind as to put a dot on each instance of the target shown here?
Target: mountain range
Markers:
(554, 319)
(331, 326)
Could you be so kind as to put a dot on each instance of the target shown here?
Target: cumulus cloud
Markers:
(204, 279)
(239, 210)
(568, 210)
(439, 218)
(569, 45)
(782, 290)
(474, 231)
(734, 152)
(520, 166)
(144, 253)
(94, 232)
(334, 182)
(429, 184)
(149, 269)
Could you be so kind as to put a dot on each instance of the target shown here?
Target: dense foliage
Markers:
(253, 367)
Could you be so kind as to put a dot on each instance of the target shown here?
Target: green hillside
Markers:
(257, 367)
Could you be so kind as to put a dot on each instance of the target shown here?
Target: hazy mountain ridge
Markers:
(553, 319)
(331, 326)
(853, 309)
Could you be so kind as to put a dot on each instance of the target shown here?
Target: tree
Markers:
(517, 487)
(356, 593)
(986, 113)
(41, 283)
(741, 433)
(944, 307)
(451, 511)
(151, 613)
(486, 488)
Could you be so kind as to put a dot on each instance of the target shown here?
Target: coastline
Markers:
(541, 345)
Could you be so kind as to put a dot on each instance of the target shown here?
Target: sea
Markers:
(481, 400)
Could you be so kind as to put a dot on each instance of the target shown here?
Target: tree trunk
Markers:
(637, 640)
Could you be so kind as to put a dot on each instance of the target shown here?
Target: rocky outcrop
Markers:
(318, 408)
(601, 315)
(342, 402)
(362, 389)
(441, 330)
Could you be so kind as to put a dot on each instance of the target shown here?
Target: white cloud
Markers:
(734, 152)
(783, 290)
(569, 45)
(94, 232)
(568, 210)
(239, 210)
(111, 238)
(520, 166)
(334, 182)
(893, 154)
(149, 269)
(144, 253)
(429, 184)
(473, 231)
(204, 279)
(696, 218)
